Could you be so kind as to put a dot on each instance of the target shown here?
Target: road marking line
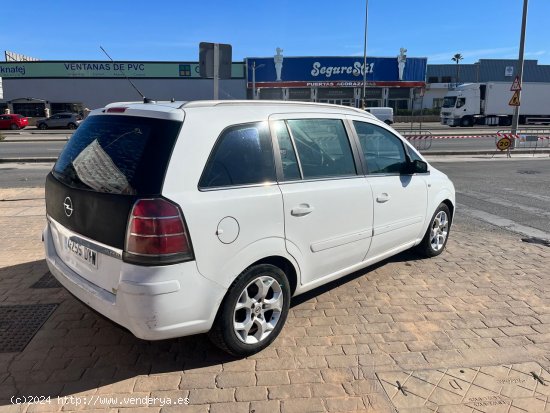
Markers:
(529, 194)
(504, 202)
(503, 222)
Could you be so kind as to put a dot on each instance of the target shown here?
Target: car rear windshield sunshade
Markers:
(118, 154)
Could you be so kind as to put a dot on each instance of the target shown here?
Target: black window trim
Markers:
(277, 152)
(276, 149)
(237, 186)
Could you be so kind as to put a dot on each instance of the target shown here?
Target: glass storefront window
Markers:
(398, 104)
(31, 110)
(271, 94)
(334, 93)
(66, 107)
(299, 94)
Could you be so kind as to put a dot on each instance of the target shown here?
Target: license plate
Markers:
(84, 253)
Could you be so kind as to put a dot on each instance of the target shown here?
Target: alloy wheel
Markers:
(439, 231)
(258, 310)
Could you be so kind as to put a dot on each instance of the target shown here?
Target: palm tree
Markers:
(457, 58)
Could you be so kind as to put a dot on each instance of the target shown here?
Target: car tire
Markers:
(388, 122)
(71, 126)
(250, 316)
(437, 234)
(42, 126)
(13, 126)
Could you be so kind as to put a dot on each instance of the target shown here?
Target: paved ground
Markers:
(484, 302)
(512, 193)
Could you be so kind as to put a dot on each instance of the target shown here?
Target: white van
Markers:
(384, 114)
(176, 218)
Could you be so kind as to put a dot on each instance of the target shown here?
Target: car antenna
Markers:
(145, 100)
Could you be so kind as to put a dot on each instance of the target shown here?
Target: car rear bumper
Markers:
(154, 303)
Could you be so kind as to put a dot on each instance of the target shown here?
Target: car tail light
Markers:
(157, 234)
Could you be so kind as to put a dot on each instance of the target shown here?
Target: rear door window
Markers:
(118, 154)
(243, 155)
(323, 147)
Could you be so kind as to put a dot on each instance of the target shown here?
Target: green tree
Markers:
(457, 58)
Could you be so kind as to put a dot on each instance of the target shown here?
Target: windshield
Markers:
(118, 154)
(449, 102)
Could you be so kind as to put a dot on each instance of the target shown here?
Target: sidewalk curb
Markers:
(7, 140)
(37, 132)
(484, 152)
(46, 159)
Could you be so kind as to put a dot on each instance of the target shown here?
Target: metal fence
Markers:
(420, 139)
(527, 138)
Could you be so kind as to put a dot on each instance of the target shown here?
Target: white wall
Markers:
(432, 94)
(96, 93)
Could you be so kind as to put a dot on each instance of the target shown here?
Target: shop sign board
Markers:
(338, 71)
(104, 69)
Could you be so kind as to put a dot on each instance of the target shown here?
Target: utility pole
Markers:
(254, 67)
(254, 80)
(365, 55)
(216, 70)
(515, 119)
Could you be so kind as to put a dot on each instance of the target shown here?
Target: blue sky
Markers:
(171, 30)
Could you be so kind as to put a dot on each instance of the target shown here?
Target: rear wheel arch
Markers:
(285, 265)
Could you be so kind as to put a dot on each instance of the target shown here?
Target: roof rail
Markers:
(211, 103)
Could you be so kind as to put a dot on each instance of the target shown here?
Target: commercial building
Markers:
(389, 81)
(441, 78)
(37, 89)
(40, 88)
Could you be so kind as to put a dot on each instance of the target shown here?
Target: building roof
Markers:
(490, 70)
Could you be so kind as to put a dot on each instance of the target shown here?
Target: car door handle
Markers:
(383, 198)
(301, 210)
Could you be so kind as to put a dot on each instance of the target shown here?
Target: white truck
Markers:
(487, 104)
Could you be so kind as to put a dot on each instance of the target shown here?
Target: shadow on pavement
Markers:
(78, 350)
(404, 256)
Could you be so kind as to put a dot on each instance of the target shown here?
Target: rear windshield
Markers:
(118, 154)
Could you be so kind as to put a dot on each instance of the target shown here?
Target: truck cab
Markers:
(461, 105)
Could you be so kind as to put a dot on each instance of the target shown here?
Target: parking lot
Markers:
(358, 344)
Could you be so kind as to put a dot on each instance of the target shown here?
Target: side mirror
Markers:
(417, 167)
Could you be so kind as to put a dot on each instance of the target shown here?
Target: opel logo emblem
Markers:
(68, 206)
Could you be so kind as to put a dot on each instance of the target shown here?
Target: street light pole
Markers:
(365, 54)
(515, 119)
(254, 67)
(254, 80)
